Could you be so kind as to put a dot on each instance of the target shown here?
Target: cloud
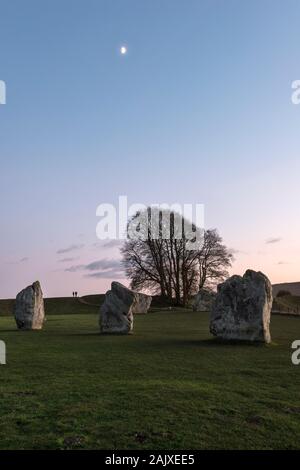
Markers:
(235, 251)
(110, 274)
(67, 260)
(106, 268)
(108, 244)
(273, 240)
(103, 264)
(283, 262)
(69, 248)
(22, 260)
(74, 269)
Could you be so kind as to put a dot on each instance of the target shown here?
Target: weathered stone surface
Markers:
(203, 301)
(29, 308)
(116, 313)
(242, 308)
(141, 303)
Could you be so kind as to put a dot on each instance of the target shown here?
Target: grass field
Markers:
(170, 385)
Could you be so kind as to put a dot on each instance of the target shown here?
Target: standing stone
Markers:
(116, 313)
(29, 308)
(242, 308)
(141, 303)
(203, 301)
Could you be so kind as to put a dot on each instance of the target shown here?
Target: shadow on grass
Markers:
(103, 335)
(166, 341)
(9, 331)
(97, 333)
(204, 343)
(222, 342)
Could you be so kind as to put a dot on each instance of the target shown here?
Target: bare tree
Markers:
(214, 260)
(166, 265)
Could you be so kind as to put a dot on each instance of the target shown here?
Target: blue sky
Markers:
(198, 111)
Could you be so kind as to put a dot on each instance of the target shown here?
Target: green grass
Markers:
(170, 385)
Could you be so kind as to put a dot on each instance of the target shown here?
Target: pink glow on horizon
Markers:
(279, 261)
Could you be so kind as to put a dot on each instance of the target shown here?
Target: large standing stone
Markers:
(116, 313)
(242, 308)
(29, 308)
(203, 301)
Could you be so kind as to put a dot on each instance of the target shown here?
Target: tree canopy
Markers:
(168, 255)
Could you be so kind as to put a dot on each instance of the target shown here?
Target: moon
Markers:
(123, 50)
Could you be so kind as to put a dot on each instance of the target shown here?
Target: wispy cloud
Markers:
(235, 251)
(69, 249)
(283, 262)
(105, 268)
(103, 264)
(74, 269)
(67, 260)
(110, 274)
(273, 240)
(19, 261)
(108, 244)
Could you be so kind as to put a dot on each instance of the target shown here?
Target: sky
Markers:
(199, 110)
